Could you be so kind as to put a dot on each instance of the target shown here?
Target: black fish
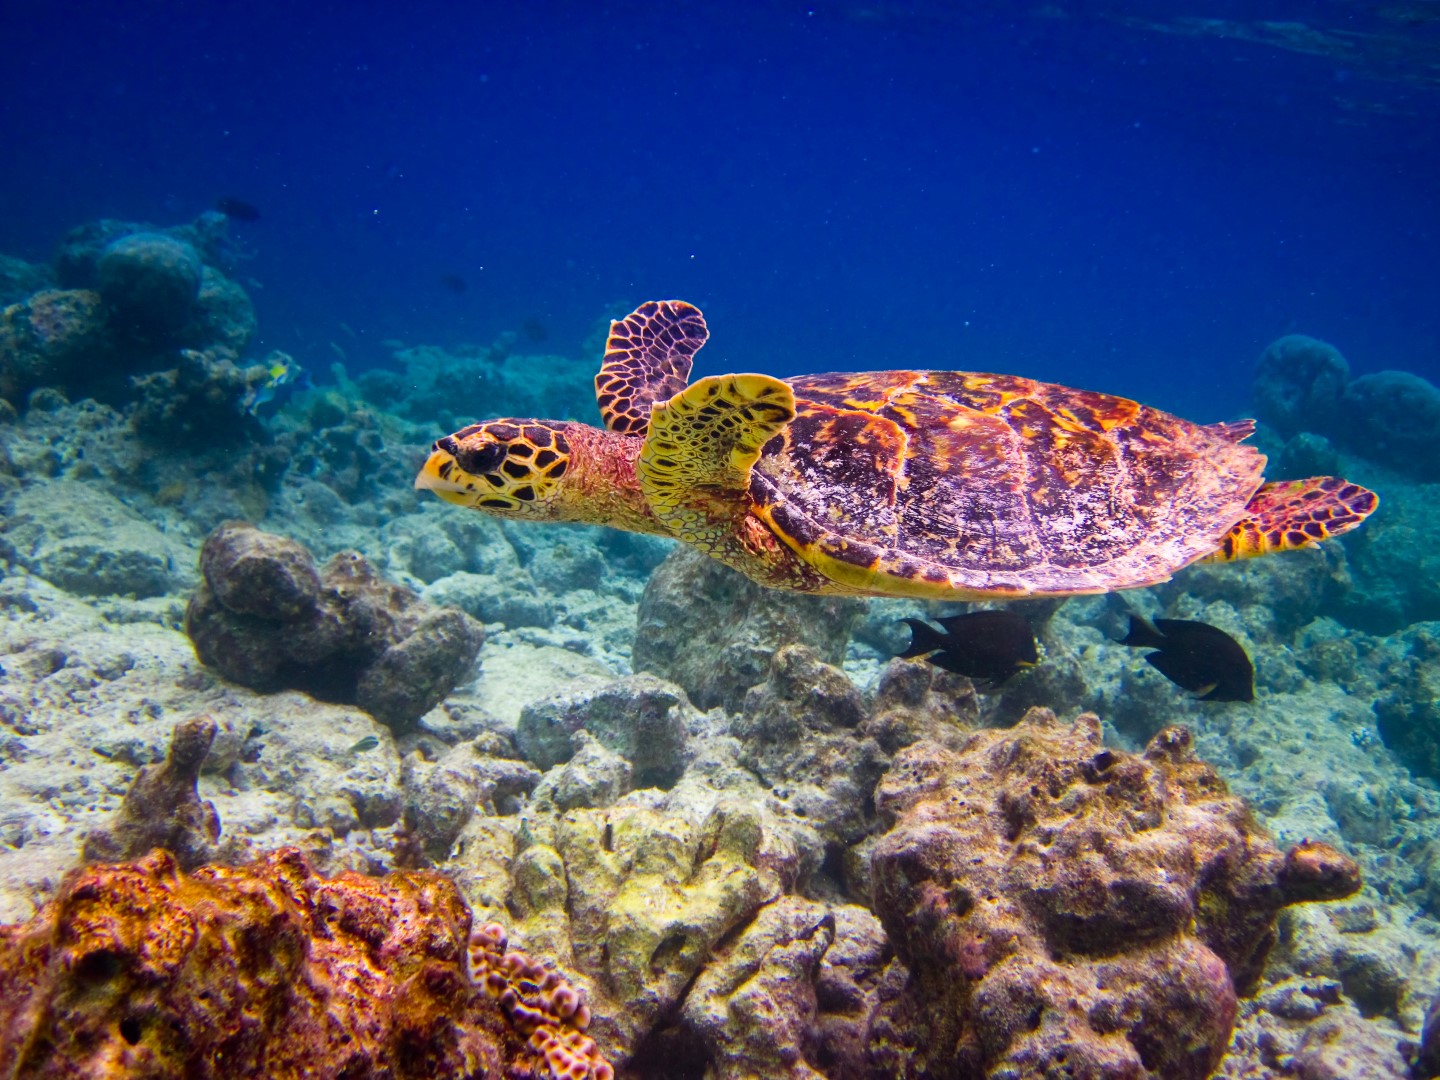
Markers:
(988, 646)
(535, 331)
(1195, 656)
(454, 282)
(237, 209)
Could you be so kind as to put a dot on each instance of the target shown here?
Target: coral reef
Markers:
(1065, 906)
(266, 618)
(270, 970)
(130, 296)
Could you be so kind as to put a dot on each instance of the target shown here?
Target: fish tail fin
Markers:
(1142, 635)
(1294, 514)
(924, 638)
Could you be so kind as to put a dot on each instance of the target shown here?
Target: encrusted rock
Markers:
(1063, 906)
(268, 970)
(594, 777)
(643, 719)
(712, 630)
(442, 796)
(915, 701)
(801, 734)
(266, 619)
(755, 1007)
(163, 810)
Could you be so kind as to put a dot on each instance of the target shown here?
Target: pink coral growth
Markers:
(541, 1005)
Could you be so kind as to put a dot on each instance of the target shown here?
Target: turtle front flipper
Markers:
(695, 465)
(1294, 514)
(647, 360)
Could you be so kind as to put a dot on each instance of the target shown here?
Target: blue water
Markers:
(1059, 192)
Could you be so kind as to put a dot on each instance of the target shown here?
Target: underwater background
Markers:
(255, 259)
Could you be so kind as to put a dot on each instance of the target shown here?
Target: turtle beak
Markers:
(435, 475)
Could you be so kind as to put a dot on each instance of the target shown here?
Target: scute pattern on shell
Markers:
(995, 484)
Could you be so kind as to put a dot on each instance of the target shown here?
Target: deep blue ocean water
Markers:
(1118, 196)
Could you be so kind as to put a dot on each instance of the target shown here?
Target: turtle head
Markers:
(515, 468)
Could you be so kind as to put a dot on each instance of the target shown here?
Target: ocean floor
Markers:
(631, 697)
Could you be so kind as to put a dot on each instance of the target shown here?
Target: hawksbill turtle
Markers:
(938, 484)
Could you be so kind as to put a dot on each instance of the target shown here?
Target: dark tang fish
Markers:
(989, 646)
(1196, 656)
(237, 209)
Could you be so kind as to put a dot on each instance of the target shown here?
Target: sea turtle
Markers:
(945, 484)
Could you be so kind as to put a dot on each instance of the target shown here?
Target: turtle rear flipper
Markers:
(695, 466)
(647, 360)
(1294, 514)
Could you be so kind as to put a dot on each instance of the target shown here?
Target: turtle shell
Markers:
(940, 483)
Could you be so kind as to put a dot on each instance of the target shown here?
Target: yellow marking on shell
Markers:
(875, 580)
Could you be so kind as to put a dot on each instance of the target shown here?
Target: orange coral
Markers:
(136, 969)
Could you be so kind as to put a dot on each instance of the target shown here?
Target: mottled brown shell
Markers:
(929, 483)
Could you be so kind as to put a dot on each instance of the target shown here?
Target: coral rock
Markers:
(643, 719)
(151, 283)
(268, 970)
(801, 734)
(712, 630)
(162, 808)
(47, 339)
(1299, 384)
(265, 618)
(1065, 908)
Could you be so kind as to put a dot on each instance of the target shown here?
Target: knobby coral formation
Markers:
(1069, 909)
(136, 969)
(266, 618)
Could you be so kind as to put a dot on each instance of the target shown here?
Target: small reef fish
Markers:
(1195, 656)
(454, 282)
(987, 646)
(369, 742)
(237, 209)
(283, 377)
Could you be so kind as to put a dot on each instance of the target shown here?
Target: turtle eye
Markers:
(476, 460)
